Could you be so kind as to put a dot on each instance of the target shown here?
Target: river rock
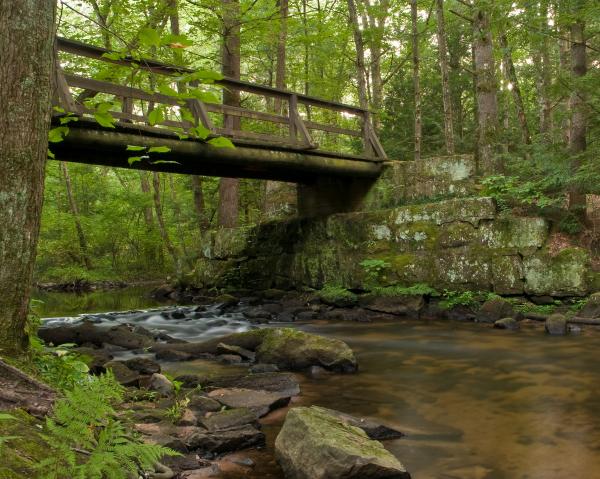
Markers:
(124, 375)
(229, 419)
(202, 405)
(264, 368)
(161, 384)
(260, 402)
(86, 332)
(372, 428)
(223, 440)
(223, 348)
(94, 358)
(229, 359)
(405, 305)
(143, 365)
(506, 323)
(283, 384)
(314, 444)
(495, 309)
(556, 325)
(191, 381)
(257, 315)
(170, 354)
(188, 418)
(286, 347)
(591, 309)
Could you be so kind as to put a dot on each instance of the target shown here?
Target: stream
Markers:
(474, 402)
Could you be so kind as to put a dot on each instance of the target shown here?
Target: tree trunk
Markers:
(446, 94)
(565, 70)
(416, 80)
(26, 72)
(577, 136)
(377, 27)
(199, 205)
(75, 213)
(230, 53)
(511, 76)
(145, 186)
(485, 91)
(280, 77)
(544, 74)
(360, 56)
(164, 234)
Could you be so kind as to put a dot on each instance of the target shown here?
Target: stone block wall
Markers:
(455, 244)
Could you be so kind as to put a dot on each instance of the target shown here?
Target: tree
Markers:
(446, 94)
(416, 78)
(26, 72)
(230, 66)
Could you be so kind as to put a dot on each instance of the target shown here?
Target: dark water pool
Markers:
(475, 403)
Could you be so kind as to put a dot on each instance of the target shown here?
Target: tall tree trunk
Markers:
(75, 213)
(416, 80)
(230, 57)
(164, 234)
(360, 56)
(446, 94)
(485, 91)
(377, 19)
(26, 72)
(511, 76)
(577, 136)
(544, 74)
(145, 186)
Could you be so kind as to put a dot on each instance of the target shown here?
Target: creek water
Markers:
(475, 403)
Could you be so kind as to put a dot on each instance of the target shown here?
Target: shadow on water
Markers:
(475, 403)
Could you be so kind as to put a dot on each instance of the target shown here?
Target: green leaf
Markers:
(205, 76)
(6, 417)
(165, 161)
(205, 96)
(159, 149)
(135, 148)
(104, 119)
(133, 159)
(149, 37)
(221, 142)
(59, 109)
(200, 131)
(167, 90)
(177, 41)
(113, 55)
(51, 155)
(64, 120)
(156, 116)
(56, 135)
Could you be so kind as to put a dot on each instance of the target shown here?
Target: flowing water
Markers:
(475, 403)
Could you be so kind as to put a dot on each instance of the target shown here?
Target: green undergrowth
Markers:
(337, 294)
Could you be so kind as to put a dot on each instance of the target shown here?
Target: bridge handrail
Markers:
(297, 125)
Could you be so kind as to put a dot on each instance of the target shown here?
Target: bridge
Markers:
(172, 124)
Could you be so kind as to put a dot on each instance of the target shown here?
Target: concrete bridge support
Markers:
(328, 195)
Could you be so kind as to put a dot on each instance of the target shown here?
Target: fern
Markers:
(89, 442)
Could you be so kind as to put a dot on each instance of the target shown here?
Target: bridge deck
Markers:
(273, 144)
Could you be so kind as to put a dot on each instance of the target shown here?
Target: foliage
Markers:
(460, 298)
(87, 439)
(5, 439)
(333, 293)
(419, 289)
(374, 270)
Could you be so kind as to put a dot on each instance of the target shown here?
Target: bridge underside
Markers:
(328, 182)
(89, 143)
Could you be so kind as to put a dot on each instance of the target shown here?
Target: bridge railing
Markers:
(289, 125)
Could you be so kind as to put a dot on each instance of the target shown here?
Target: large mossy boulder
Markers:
(315, 444)
(287, 348)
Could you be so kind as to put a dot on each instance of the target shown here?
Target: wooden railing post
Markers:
(299, 125)
(292, 114)
(127, 108)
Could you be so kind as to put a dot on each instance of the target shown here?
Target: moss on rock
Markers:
(564, 274)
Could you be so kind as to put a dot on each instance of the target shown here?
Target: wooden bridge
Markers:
(278, 144)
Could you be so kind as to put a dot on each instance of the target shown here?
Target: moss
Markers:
(337, 296)
(565, 274)
(418, 289)
(22, 454)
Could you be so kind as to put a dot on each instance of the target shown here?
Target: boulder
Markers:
(143, 365)
(170, 354)
(124, 375)
(229, 419)
(221, 441)
(94, 358)
(556, 325)
(494, 309)
(259, 402)
(188, 418)
(257, 315)
(315, 444)
(161, 384)
(285, 347)
(405, 305)
(507, 323)
(191, 381)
